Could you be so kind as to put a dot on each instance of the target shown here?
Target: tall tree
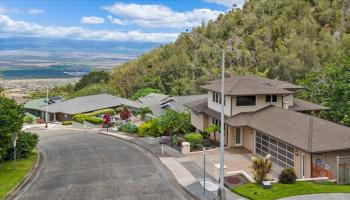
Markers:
(11, 120)
(330, 87)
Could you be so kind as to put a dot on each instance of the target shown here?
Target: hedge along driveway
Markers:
(9, 178)
(256, 192)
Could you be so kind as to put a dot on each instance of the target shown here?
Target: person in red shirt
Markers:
(106, 120)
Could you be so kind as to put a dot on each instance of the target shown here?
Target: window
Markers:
(217, 98)
(281, 153)
(216, 122)
(246, 101)
(271, 98)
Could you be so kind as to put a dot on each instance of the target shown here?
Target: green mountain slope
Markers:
(279, 39)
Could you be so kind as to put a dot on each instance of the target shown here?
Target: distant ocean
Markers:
(42, 73)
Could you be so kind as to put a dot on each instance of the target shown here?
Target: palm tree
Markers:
(144, 111)
(212, 129)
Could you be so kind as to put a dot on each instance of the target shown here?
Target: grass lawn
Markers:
(9, 178)
(253, 191)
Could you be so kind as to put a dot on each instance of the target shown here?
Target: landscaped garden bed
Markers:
(278, 190)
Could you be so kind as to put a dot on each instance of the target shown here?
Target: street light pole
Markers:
(47, 107)
(222, 129)
(221, 190)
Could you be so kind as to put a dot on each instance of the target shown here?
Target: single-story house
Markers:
(264, 117)
(34, 107)
(65, 110)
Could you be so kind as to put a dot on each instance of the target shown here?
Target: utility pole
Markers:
(221, 190)
(14, 136)
(47, 107)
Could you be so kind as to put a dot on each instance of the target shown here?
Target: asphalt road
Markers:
(82, 166)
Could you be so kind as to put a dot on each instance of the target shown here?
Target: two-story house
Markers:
(263, 116)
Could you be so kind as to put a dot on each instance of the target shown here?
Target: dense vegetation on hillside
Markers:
(279, 39)
(300, 41)
(330, 87)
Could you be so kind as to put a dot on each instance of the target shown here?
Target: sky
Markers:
(107, 20)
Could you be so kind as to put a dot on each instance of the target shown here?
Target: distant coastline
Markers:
(46, 73)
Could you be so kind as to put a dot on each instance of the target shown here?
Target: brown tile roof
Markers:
(301, 105)
(306, 132)
(251, 85)
(201, 106)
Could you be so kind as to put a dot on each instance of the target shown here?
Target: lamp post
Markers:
(221, 190)
(47, 107)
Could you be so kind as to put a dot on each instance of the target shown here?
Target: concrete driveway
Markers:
(236, 159)
(83, 165)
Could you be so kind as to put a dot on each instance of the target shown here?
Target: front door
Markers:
(238, 137)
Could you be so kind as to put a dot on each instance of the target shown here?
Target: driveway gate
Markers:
(343, 170)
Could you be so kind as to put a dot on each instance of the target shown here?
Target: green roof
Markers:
(35, 104)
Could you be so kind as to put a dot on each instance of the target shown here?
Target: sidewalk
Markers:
(188, 173)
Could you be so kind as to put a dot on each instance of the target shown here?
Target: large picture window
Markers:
(281, 153)
(245, 100)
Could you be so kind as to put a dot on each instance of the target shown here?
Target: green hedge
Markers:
(66, 123)
(28, 119)
(93, 120)
(194, 139)
(103, 111)
(79, 118)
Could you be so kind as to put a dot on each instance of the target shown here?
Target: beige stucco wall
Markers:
(200, 121)
(216, 106)
(331, 159)
(289, 99)
(247, 137)
(298, 162)
(260, 103)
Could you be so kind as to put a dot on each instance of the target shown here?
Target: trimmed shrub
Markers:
(287, 176)
(194, 139)
(103, 111)
(25, 144)
(79, 118)
(149, 128)
(93, 120)
(128, 128)
(28, 119)
(66, 123)
(261, 167)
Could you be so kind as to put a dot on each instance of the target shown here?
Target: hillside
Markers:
(278, 39)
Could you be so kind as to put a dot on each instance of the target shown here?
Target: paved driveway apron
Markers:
(331, 196)
(82, 165)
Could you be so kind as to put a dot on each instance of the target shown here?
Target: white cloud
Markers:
(116, 20)
(31, 11)
(92, 20)
(227, 3)
(22, 28)
(35, 11)
(153, 16)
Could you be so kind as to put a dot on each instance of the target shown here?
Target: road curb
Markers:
(34, 170)
(191, 194)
